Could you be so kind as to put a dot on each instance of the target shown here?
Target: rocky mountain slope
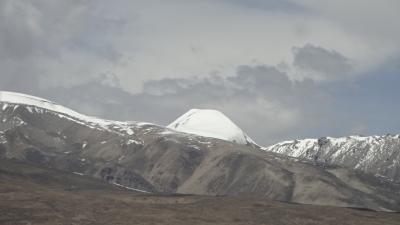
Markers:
(377, 155)
(35, 195)
(150, 158)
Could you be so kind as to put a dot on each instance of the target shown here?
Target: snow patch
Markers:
(80, 174)
(130, 141)
(167, 132)
(85, 143)
(5, 106)
(195, 147)
(142, 124)
(132, 189)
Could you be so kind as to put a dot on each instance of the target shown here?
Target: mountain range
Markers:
(377, 155)
(204, 153)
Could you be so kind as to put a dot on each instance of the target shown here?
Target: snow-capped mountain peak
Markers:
(379, 155)
(210, 123)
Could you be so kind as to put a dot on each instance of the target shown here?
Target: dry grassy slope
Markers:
(158, 160)
(39, 196)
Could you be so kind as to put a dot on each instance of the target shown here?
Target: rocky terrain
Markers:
(377, 155)
(155, 159)
(35, 195)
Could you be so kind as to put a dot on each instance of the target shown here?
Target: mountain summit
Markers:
(210, 123)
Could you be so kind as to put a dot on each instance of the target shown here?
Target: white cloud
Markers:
(141, 40)
(371, 28)
(180, 39)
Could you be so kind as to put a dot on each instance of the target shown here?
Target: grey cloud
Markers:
(48, 43)
(109, 79)
(331, 64)
(262, 79)
(19, 77)
(262, 100)
(18, 36)
(167, 85)
(279, 5)
(36, 28)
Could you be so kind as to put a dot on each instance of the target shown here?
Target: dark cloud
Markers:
(277, 5)
(261, 99)
(327, 63)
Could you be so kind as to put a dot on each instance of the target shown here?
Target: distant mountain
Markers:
(152, 158)
(210, 123)
(378, 155)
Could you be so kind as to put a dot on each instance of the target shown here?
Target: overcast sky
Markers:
(280, 69)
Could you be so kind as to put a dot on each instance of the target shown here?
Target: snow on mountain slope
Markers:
(379, 155)
(35, 104)
(23, 99)
(210, 123)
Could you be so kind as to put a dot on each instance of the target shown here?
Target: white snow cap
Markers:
(210, 123)
(28, 100)
(23, 99)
